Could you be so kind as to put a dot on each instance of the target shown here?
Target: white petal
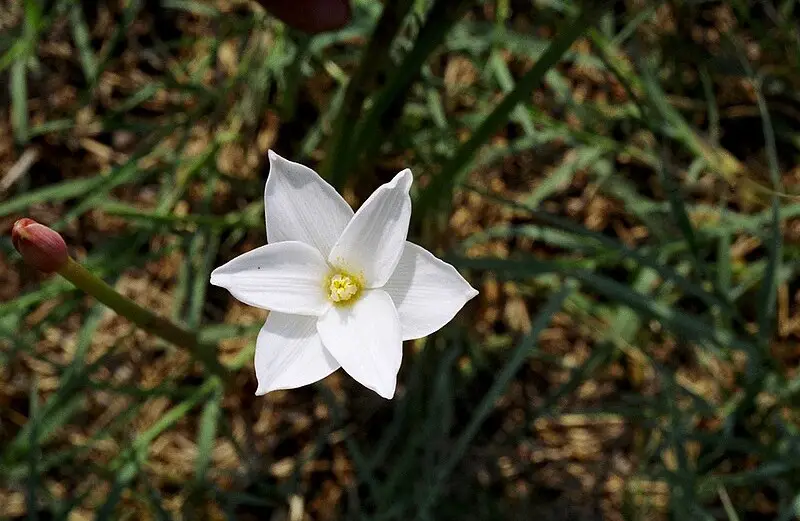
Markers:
(285, 276)
(289, 353)
(373, 241)
(365, 339)
(301, 206)
(427, 292)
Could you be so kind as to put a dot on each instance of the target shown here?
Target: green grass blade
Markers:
(442, 184)
(83, 41)
(125, 173)
(126, 467)
(207, 434)
(767, 295)
(581, 233)
(724, 270)
(677, 205)
(294, 75)
(679, 322)
(34, 453)
(506, 82)
(486, 405)
(190, 6)
(23, 47)
(391, 98)
(373, 61)
(727, 504)
(18, 87)
(52, 193)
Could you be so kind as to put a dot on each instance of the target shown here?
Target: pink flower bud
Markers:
(40, 246)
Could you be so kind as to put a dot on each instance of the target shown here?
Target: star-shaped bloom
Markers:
(344, 289)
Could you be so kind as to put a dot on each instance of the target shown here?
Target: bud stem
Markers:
(91, 284)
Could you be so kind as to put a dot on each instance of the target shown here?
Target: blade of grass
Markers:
(677, 205)
(683, 483)
(724, 271)
(373, 61)
(563, 175)
(487, 404)
(156, 503)
(390, 100)
(767, 295)
(727, 504)
(34, 452)
(207, 433)
(18, 87)
(55, 414)
(126, 173)
(441, 185)
(196, 8)
(675, 126)
(758, 366)
(17, 57)
(506, 82)
(582, 233)
(294, 75)
(678, 321)
(362, 468)
(415, 384)
(83, 41)
(53, 193)
(127, 466)
(32, 26)
(59, 407)
(129, 13)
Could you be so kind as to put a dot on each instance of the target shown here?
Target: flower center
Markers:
(342, 288)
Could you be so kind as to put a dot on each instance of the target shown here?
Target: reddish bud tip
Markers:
(311, 16)
(40, 246)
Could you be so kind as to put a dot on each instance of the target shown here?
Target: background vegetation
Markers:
(616, 179)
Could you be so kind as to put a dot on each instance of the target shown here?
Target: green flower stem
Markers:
(156, 325)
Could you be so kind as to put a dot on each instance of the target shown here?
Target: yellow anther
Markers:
(342, 288)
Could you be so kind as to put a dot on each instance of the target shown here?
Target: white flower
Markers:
(343, 289)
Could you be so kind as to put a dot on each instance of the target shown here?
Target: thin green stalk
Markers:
(294, 75)
(441, 185)
(373, 61)
(487, 404)
(370, 133)
(85, 280)
(768, 294)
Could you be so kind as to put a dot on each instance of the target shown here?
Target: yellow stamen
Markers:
(342, 288)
